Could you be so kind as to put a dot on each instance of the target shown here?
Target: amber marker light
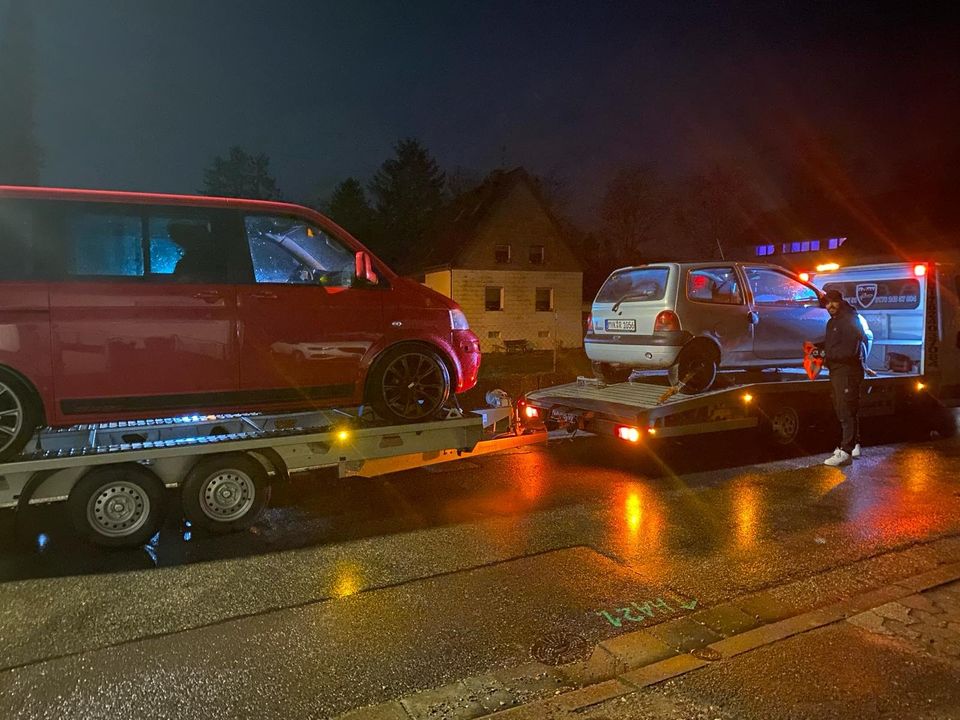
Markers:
(828, 267)
(343, 435)
(747, 397)
(630, 434)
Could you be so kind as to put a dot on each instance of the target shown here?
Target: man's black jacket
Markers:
(845, 342)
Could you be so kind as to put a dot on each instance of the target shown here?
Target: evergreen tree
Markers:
(349, 208)
(241, 175)
(408, 190)
(20, 156)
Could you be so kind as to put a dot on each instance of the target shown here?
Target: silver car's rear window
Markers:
(640, 284)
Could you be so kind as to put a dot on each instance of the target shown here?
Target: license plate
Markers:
(621, 325)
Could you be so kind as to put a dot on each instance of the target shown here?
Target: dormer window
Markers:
(536, 255)
(501, 254)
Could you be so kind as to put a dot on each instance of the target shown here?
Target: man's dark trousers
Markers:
(846, 381)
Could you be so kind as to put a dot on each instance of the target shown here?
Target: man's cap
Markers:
(834, 295)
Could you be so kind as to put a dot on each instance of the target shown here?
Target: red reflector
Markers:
(630, 434)
(667, 321)
(919, 270)
(530, 411)
(590, 322)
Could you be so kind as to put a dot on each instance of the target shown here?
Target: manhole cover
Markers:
(560, 648)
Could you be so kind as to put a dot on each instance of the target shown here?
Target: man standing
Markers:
(844, 355)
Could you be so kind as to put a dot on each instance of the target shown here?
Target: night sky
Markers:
(141, 95)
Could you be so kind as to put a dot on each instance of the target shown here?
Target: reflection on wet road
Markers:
(420, 578)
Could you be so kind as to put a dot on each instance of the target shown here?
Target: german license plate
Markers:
(621, 325)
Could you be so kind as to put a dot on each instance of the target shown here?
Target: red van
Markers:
(123, 305)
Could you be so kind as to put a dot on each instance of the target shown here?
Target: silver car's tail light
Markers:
(667, 321)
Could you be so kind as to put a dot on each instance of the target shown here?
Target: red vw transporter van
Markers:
(125, 305)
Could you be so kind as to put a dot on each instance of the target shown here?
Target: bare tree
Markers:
(240, 174)
(634, 213)
(716, 208)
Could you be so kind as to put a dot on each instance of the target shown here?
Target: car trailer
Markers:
(780, 405)
(782, 401)
(113, 476)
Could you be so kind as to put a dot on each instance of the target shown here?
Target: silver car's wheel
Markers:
(696, 368)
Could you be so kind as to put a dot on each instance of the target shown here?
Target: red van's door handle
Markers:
(209, 296)
(264, 295)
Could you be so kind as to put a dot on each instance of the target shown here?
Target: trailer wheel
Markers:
(225, 493)
(782, 425)
(117, 505)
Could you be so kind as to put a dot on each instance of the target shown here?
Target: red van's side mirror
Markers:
(364, 268)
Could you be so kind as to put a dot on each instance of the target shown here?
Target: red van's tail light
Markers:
(531, 412)
(667, 321)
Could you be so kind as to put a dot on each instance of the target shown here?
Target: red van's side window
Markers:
(16, 241)
(289, 250)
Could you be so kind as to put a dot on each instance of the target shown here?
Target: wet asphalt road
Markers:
(354, 592)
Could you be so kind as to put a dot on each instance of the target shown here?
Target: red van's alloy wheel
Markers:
(410, 384)
(18, 416)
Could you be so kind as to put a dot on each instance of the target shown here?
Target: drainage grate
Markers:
(560, 648)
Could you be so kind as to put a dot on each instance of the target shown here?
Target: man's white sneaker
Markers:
(838, 458)
(856, 451)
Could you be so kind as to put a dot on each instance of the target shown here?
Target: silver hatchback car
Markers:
(695, 318)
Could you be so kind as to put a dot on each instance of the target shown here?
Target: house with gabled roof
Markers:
(500, 253)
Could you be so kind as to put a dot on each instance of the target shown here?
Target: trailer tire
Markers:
(117, 505)
(20, 414)
(225, 493)
(782, 425)
(610, 374)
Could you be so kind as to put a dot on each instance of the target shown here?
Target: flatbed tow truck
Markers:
(113, 476)
(916, 356)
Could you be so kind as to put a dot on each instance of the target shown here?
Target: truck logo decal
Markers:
(866, 294)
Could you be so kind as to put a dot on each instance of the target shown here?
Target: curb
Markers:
(626, 663)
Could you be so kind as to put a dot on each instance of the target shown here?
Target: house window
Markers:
(544, 301)
(543, 333)
(814, 245)
(536, 254)
(493, 298)
(493, 335)
(834, 243)
(501, 254)
(763, 250)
